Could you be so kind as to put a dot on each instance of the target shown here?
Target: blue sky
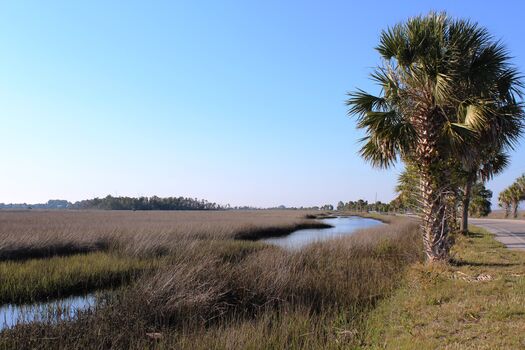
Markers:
(236, 102)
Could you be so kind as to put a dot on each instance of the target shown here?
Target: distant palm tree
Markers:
(515, 194)
(444, 83)
(510, 197)
(505, 200)
(521, 184)
(484, 168)
(408, 188)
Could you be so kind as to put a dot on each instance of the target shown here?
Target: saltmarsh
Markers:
(37, 234)
(204, 287)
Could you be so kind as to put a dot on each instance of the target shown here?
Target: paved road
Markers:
(509, 232)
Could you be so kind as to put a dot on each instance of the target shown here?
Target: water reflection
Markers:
(58, 310)
(342, 226)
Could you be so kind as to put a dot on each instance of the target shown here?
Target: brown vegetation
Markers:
(212, 291)
(36, 234)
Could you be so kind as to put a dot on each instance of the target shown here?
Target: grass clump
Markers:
(57, 277)
(476, 302)
(34, 250)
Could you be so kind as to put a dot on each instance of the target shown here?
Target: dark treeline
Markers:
(50, 204)
(362, 205)
(125, 203)
(146, 203)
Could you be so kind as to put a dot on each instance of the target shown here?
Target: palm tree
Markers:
(480, 204)
(444, 82)
(505, 199)
(520, 181)
(510, 197)
(484, 168)
(407, 187)
(516, 194)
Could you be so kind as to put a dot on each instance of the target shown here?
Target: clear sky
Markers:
(235, 102)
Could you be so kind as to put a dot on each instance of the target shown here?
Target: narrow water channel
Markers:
(341, 226)
(54, 311)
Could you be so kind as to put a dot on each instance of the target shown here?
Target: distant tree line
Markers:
(50, 204)
(125, 203)
(146, 203)
(408, 198)
(362, 205)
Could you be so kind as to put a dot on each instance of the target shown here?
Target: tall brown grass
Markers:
(34, 234)
(217, 292)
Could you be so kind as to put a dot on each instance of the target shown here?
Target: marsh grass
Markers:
(58, 277)
(214, 291)
(44, 249)
(39, 234)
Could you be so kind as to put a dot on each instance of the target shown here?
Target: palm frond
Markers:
(361, 103)
(494, 165)
(477, 115)
(391, 42)
(379, 154)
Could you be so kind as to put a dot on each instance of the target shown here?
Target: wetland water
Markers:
(53, 311)
(342, 226)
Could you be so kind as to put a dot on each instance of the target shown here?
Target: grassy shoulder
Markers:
(478, 302)
(40, 279)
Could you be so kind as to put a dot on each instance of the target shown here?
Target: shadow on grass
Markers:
(21, 253)
(459, 262)
(473, 234)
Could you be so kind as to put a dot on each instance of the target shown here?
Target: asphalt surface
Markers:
(509, 232)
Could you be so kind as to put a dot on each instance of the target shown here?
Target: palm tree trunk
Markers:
(452, 211)
(464, 206)
(435, 225)
(515, 209)
(433, 184)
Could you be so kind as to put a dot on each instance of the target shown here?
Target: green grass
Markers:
(40, 279)
(477, 302)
